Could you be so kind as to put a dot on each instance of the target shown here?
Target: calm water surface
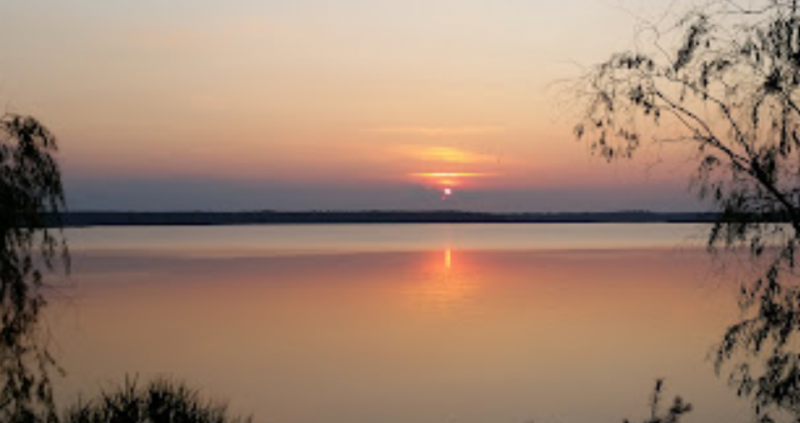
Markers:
(402, 323)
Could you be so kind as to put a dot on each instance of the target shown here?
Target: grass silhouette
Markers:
(160, 400)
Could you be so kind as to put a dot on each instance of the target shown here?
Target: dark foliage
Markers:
(160, 401)
(31, 244)
(728, 85)
(30, 189)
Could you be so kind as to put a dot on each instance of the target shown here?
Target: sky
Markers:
(322, 104)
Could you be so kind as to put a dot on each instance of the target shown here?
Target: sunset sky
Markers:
(322, 104)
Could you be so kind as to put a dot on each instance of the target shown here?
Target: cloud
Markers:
(452, 155)
(444, 155)
(165, 193)
(450, 175)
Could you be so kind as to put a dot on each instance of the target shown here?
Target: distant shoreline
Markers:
(86, 219)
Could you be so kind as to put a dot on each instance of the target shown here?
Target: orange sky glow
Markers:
(316, 93)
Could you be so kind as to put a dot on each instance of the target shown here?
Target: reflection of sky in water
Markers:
(439, 333)
(315, 239)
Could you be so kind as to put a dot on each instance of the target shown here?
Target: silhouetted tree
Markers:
(725, 79)
(31, 201)
(32, 244)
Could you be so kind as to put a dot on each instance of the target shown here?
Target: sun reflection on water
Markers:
(445, 281)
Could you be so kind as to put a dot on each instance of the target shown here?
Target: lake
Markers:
(402, 323)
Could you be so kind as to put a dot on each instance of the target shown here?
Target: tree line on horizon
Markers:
(123, 218)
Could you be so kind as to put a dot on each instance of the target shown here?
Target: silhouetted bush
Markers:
(159, 401)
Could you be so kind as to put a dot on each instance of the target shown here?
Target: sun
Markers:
(447, 183)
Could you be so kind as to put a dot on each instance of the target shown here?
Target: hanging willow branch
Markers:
(31, 201)
(729, 87)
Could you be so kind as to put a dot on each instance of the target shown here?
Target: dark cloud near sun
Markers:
(171, 194)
